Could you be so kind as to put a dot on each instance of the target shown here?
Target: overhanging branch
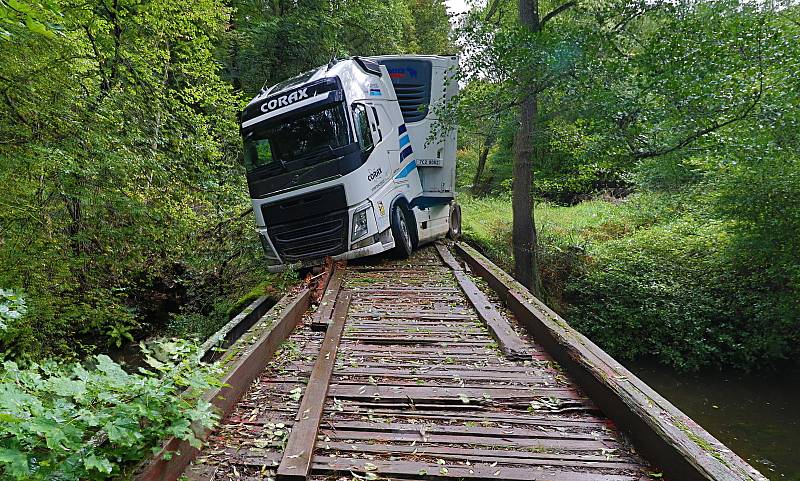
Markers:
(557, 11)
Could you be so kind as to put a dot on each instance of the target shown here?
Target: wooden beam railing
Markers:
(667, 437)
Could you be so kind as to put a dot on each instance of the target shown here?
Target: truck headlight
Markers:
(359, 224)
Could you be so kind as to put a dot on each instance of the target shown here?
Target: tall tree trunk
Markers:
(526, 266)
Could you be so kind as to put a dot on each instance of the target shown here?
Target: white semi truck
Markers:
(340, 161)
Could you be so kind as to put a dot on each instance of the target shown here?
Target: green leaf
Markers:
(67, 387)
(16, 462)
(154, 363)
(103, 465)
(36, 26)
(8, 418)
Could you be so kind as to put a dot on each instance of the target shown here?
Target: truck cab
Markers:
(340, 161)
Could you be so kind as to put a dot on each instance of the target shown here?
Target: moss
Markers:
(702, 443)
(265, 288)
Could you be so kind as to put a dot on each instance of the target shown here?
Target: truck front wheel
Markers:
(401, 233)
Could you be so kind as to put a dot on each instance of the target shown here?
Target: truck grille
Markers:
(312, 238)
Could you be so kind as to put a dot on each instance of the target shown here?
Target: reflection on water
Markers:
(755, 414)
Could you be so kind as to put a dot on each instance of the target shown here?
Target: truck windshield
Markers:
(312, 135)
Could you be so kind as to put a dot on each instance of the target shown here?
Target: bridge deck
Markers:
(419, 389)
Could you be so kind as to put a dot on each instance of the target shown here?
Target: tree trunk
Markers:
(526, 266)
(483, 154)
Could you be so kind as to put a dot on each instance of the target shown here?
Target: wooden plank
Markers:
(447, 257)
(246, 359)
(296, 462)
(477, 374)
(513, 346)
(571, 409)
(483, 471)
(456, 369)
(551, 443)
(457, 430)
(422, 315)
(667, 437)
(509, 341)
(321, 319)
(490, 417)
(428, 393)
(585, 461)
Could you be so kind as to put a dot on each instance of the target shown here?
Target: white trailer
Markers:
(340, 161)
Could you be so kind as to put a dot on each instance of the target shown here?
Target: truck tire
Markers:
(454, 232)
(401, 231)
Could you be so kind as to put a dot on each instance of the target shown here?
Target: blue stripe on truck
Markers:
(406, 170)
(405, 153)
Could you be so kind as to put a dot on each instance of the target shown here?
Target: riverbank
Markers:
(648, 277)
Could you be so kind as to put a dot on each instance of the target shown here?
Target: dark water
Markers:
(757, 415)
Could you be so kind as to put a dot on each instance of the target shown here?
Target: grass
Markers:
(487, 222)
(567, 235)
(482, 216)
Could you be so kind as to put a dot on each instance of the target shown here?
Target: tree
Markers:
(524, 55)
(431, 27)
(115, 147)
(276, 40)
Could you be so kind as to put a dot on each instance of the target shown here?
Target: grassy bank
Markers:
(646, 277)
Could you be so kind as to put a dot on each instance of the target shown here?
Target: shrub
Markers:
(680, 292)
(661, 275)
(92, 422)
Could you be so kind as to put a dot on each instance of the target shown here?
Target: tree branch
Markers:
(492, 9)
(716, 125)
(558, 10)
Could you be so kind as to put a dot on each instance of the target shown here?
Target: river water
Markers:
(757, 415)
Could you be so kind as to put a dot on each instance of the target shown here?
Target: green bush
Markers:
(94, 421)
(682, 293)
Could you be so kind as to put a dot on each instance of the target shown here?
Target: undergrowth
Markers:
(95, 421)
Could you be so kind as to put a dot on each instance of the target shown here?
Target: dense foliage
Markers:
(118, 162)
(73, 421)
(686, 294)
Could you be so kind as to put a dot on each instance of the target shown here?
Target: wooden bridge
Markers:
(439, 366)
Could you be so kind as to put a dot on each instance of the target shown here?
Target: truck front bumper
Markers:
(383, 243)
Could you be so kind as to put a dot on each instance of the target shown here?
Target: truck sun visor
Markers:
(316, 94)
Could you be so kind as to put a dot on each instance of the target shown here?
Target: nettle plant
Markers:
(94, 420)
